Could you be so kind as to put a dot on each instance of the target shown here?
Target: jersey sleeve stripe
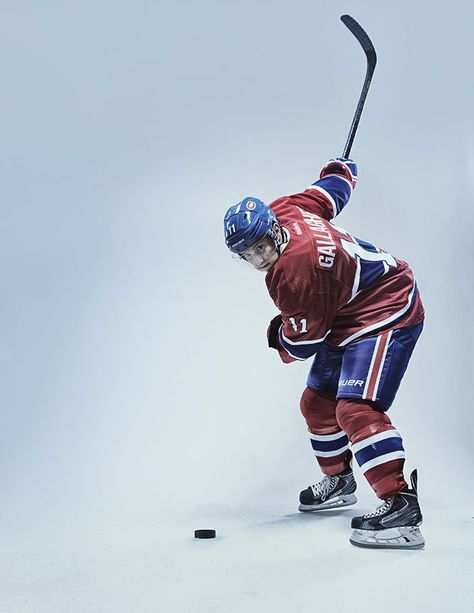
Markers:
(336, 188)
(295, 357)
(338, 176)
(301, 350)
(315, 341)
(327, 195)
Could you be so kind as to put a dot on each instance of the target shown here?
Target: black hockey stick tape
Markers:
(204, 534)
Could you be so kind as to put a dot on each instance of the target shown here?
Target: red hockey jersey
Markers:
(329, 285)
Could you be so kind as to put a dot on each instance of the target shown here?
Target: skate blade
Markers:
(405, 537)
(332, 503)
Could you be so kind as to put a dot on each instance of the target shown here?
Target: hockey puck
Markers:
(204, 534)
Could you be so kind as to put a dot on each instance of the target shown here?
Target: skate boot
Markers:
(393, 525)
(332, 492)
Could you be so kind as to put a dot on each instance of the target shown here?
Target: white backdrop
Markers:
(133, 355)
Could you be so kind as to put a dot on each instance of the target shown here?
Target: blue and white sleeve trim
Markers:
(336, 189)
(300, 350)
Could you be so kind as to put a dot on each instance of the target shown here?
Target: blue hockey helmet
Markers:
(247, 222)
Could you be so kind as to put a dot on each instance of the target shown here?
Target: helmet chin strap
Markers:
(277, 234)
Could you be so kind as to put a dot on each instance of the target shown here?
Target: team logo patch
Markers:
(251, 205)
(297, 228)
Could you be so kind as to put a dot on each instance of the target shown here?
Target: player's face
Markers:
(263, 255)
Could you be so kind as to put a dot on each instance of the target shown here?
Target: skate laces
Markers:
(383, 508)
(324, 487)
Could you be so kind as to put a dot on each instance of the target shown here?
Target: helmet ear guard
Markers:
(276, 233)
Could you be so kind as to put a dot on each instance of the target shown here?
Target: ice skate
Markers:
(332, 492)
(393, 525)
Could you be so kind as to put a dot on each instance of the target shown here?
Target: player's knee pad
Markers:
(360, 419)
(319, 411)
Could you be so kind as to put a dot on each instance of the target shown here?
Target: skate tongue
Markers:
(322, 488)
(385, 506)
(414, 481)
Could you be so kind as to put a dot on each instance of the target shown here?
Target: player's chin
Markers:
(264, 268)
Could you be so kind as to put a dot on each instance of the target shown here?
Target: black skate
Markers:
(330, 493)
(394, 525)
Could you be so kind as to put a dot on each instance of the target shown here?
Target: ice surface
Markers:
(269, 558)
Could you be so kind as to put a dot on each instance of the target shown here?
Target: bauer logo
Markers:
(251, 205)
(351, 382)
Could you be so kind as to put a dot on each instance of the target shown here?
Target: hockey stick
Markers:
(369, 51)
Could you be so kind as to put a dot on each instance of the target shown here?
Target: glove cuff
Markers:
(340, 168)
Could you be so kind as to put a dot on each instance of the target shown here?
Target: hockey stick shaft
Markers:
(371, 56)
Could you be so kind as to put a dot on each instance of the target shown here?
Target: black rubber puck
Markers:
(204, 534)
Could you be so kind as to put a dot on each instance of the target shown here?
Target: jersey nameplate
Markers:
(324, 241)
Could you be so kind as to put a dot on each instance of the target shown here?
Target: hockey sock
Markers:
(330, 444)
(376, 444)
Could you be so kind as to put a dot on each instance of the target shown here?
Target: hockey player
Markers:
(356, 310)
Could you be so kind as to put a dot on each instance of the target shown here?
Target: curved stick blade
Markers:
(362, 37)
(371, 56)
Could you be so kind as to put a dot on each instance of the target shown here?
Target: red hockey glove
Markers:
(272, 332)
(341, 166)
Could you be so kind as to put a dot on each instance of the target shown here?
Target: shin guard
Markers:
(376, 445)
(330, 444)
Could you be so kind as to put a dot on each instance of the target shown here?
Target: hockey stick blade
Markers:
(371, 56)
(363, 39)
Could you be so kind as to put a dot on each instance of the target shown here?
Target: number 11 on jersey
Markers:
(296, 327)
